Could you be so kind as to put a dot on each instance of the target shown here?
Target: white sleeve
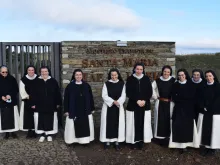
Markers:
(22, 90)
(122, 99)
(108, 100)
(155, 91)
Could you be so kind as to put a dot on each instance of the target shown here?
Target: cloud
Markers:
(200, 43)
(75, 14)
(187, 51)
(42, 33)
(60, 20)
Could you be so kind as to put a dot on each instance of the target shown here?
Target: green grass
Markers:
(206, 61)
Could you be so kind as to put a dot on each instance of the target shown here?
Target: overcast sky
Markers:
(193, 25)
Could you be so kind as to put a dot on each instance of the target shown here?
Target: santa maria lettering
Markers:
(124, 62)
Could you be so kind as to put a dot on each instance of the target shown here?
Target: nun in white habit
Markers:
(27, 84)
(78, 108)
(113, 116)
(162, 88)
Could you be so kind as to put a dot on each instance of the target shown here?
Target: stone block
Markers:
(66, 66)
(66, 81)
(173, 50)
(171, 59)
(64, 48)
(72, 61)
(65, 55)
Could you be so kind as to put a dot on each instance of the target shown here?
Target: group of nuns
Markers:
(186, 112)
(79, 107)
(40, 100)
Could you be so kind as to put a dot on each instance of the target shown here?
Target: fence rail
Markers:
(18, 55)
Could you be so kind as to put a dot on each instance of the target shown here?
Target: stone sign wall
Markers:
(95, 58)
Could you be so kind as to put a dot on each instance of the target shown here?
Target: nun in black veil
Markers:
(26, 85)
(138, 114)
(45, 101)
(78, 108)
(199, 83)
(9, 116)
(210, 122)
(183, 128)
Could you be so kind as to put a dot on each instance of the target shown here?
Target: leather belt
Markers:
(165, 99)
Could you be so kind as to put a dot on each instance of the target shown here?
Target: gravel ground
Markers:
(152, 154)
(23, 151)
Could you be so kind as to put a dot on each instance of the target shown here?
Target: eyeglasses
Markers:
(181, 75)
(4, 72)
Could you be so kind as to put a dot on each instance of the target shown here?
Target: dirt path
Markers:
(153, 154)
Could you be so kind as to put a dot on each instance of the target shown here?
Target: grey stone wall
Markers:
(95, 58)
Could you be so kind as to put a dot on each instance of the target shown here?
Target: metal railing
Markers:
(18, 55)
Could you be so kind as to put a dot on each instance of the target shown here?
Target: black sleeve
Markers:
(130, 90)
(58, 94)
(149, 92)
(33, 93)
(174, 92)
(15, 89)
(66, 99)
(192, 93)
(216, 101)
(91, 98)
(201, 97)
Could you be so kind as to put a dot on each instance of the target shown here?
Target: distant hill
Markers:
(202, 61)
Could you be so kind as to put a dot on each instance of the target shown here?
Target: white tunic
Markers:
(155, 97)
(108, 102)
(23, 95)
